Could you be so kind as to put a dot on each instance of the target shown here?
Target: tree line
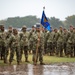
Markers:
(29, 21)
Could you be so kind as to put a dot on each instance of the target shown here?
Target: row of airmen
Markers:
(61, 42)
(40, 41)
(12, 42)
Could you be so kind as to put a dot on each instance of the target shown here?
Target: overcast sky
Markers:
(53, 8)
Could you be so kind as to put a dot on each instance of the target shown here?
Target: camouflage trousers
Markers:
(25, 50)
(65, 48)
(45, 47)
(54, 47)
(74, 49)
(38, 54)
(69, 49)
(2, 52)
(50, 48)
(59, 51)
(6, 54)
(31, 45)
(12, 52)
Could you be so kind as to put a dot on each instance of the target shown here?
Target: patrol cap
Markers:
(10, 27)
(24, 26)
(14, 30)
(55, 29)
(64, 29)
(37, 25)
(1, 25)
(32, 26)
(71, 25)
(60, 27)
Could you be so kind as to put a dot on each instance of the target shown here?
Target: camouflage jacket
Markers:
(24, 38)
(2, 38)
(50, 36)
(60, 36)
(70, 37)
(31, 33)
(14, 41)
(73, 39)
(39, 36)
(55, 37)
(65, 37)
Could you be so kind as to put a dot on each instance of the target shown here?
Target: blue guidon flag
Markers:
(44, 22)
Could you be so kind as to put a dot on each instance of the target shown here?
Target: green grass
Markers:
(54, 59)
(46, 59)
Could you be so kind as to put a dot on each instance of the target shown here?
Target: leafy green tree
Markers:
(20, 21)
(3, 22)
(32, 20)
(55, 22)
(70, 20)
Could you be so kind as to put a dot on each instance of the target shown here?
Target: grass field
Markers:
(46, 59)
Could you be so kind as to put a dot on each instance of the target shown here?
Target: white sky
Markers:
(53, 8)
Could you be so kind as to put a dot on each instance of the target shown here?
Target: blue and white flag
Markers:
(44, 22)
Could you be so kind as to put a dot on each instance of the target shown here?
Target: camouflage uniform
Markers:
(45, 41)
(8, 35)
(60, 44)
(74, 42)
(65, 37)
(50, 42)
(31, 33)
(55, 38)
(38, 47)
(2, 43)
(24, 42)
(69, 48)
(14, 43)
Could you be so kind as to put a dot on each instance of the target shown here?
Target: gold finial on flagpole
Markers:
(44, 8)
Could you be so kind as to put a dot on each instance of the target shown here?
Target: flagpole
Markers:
(35, 60)
(37, 45)
(44, 8)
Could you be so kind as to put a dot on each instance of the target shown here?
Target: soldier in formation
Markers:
(30, 38)
(70, 39)
(7, 46)
(38, 47)
(14, 43)
(2, 43)
(24, 43)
